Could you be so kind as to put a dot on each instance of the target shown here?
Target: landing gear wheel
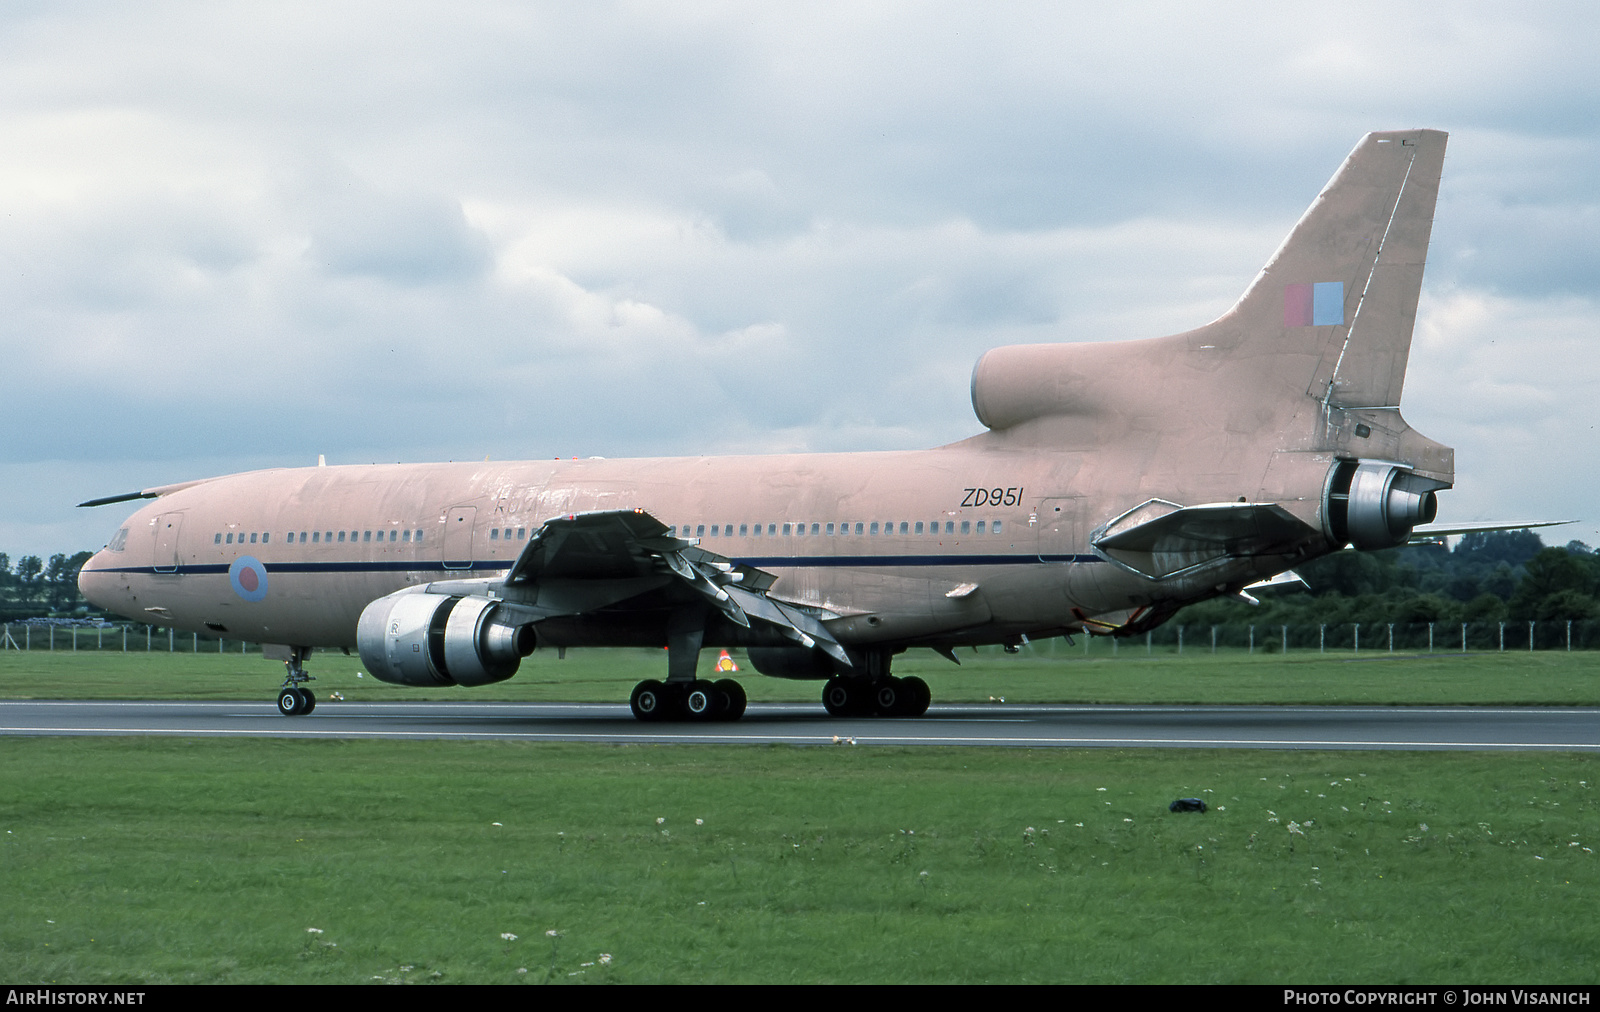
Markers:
(736, 697)
(703, 701)
(841, 697)
(292, 702)
(918, 696)
(890, 698)
(651, 700)
(311, 700)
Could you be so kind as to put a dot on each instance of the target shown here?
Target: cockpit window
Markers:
(119, 541)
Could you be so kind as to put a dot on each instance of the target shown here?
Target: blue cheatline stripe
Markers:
(765, 562)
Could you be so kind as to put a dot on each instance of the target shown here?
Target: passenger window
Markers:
(218, 541)
(230, 537)
(700, 531)
(799, 530)
(405, 537)
(949, 526)
(713, 530)
(919, 526)
(302, 537)
(996, 527)
(253, 539)
(860, 528)
(816, 528)
(418, 536)
(773, 529)
(266, 538)
(316, 537)
(903, 527)
(830, 528)
(874, 526)
(522, 533)
(757, 531)
(966, 526)
(494, 535)
(785, 530)
(341, 537)
(980, 526)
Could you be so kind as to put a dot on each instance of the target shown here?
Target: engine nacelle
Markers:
(427, 639)
(1375, 504)
(791, 662)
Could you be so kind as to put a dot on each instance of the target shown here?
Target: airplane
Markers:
(1113, 484)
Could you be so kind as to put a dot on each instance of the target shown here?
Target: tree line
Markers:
(36, 586)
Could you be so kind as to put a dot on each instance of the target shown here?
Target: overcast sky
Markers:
(238, 235)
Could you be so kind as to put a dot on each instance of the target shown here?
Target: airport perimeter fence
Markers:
(87, 635)
(1174, 638)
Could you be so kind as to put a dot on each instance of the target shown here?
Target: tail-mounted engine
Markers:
(427, 639)
(1374, 504)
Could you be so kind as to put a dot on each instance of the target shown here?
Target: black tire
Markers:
(840, 698)
(290, 702)
(703, 701)
(889, 698)
(918, 696)
(651, 701)
(736, 698)
(311, 701)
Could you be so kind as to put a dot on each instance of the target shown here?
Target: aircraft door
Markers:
(457, 542)
(1057, 523)
(167, 527)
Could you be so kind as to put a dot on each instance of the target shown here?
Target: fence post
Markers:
(1530, 637)
(169, 639)
(1180, 641)
(1252, 641)
(1502, 637)
(1391, 637)
(1356, 637)
(124, 639)
(1285, 639)
(1569, 635)
(75, 638)
(1213, 639)
(1322, 639)
(1147, 646)
(52, 637)
(1430, 637)
(148, 632)
(1463, 637)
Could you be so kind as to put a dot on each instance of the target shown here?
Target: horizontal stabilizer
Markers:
(1428, 533)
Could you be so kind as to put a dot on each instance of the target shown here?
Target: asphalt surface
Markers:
(1283, 727)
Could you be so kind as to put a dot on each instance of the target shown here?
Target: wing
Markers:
(586, 561)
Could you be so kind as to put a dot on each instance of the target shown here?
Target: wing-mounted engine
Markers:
(1374, 504)
(412, 638)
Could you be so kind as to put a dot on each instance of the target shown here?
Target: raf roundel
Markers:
(249, 578)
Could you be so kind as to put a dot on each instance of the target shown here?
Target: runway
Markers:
(1032, 726)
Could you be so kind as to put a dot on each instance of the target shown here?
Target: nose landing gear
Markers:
(293, 699)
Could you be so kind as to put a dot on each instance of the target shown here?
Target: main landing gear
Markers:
(698, 700)
(888, 697)
(294, 700)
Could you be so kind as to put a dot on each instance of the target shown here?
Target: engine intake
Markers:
(425, 639)
(1374, 504)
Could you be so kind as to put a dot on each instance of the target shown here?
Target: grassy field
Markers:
(171, 860)
(1068, 674)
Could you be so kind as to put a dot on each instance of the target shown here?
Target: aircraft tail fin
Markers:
(1342, 289)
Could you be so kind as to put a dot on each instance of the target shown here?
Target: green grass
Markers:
(1035, 675)
(172, 860)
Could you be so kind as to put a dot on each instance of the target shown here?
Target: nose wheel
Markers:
(296, 702)
(294, 699)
